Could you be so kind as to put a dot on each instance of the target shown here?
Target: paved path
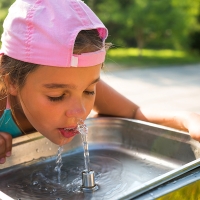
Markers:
(176, 88)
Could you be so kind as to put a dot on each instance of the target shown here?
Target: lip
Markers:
(69, 132)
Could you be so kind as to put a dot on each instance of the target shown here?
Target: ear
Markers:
(11, 87)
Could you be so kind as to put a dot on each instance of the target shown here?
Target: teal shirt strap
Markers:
(8, 125)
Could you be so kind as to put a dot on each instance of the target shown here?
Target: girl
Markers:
(52, 54)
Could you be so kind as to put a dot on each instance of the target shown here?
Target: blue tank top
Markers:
(7, 123)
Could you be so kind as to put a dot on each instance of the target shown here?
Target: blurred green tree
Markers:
(160, 23)
(4, 5)
(195, 33)
(151, 24)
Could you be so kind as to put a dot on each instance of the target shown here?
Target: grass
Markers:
(129, 57)
(3, 13)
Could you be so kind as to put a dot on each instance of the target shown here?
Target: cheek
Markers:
(89, 105)
(36, 109)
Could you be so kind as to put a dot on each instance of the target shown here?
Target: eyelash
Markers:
(89, 92)
(60, 98)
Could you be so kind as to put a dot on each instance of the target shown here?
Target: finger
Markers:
(2, 146)
(5, 143)
(2, 160)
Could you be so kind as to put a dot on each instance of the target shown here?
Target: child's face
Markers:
(54, 98)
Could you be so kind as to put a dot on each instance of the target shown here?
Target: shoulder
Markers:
(2, 102)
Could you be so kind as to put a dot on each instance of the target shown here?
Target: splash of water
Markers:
(59, 163)
(82, 128)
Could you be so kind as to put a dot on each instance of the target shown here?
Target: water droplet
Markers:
(35, 182)
(174, 182)
(49, 148)
(37, 150)
(54, 190)
(68, 185)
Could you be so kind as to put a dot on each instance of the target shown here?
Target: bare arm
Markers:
(110, 102)
(185, 121)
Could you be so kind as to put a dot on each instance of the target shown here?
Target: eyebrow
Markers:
(68, 86)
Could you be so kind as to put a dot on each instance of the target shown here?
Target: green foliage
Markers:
(4, 5)
(151, 57)
(151, 24)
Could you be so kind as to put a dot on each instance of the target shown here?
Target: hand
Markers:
(195, 132)
(193, 126)
(5, 146)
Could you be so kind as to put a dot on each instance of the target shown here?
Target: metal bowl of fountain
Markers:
(130, 160)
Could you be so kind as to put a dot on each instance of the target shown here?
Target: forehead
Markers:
(58, 77)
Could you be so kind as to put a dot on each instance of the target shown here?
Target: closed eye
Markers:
(60, 98)
(89, 92)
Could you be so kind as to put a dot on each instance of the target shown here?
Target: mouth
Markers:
(69, 132)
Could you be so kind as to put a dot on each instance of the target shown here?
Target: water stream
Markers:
(59, 163)
(82, 128)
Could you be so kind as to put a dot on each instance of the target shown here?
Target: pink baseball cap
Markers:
(44, 31)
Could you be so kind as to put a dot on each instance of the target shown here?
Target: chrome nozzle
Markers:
(88, 181)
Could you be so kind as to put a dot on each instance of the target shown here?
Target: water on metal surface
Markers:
(114, 174)
(125, 155)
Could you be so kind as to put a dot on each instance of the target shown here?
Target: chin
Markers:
(58, 138)
(61, 140)
(65, 141)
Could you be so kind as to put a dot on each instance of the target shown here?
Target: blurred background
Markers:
(151, 32)
(155, 57)
(146, 32)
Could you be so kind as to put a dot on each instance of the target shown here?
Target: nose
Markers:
(76, 109)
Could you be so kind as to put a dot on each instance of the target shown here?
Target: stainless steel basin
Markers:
(130, 158)
(183, 187)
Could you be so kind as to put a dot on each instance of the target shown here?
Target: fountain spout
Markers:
(88, 181)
